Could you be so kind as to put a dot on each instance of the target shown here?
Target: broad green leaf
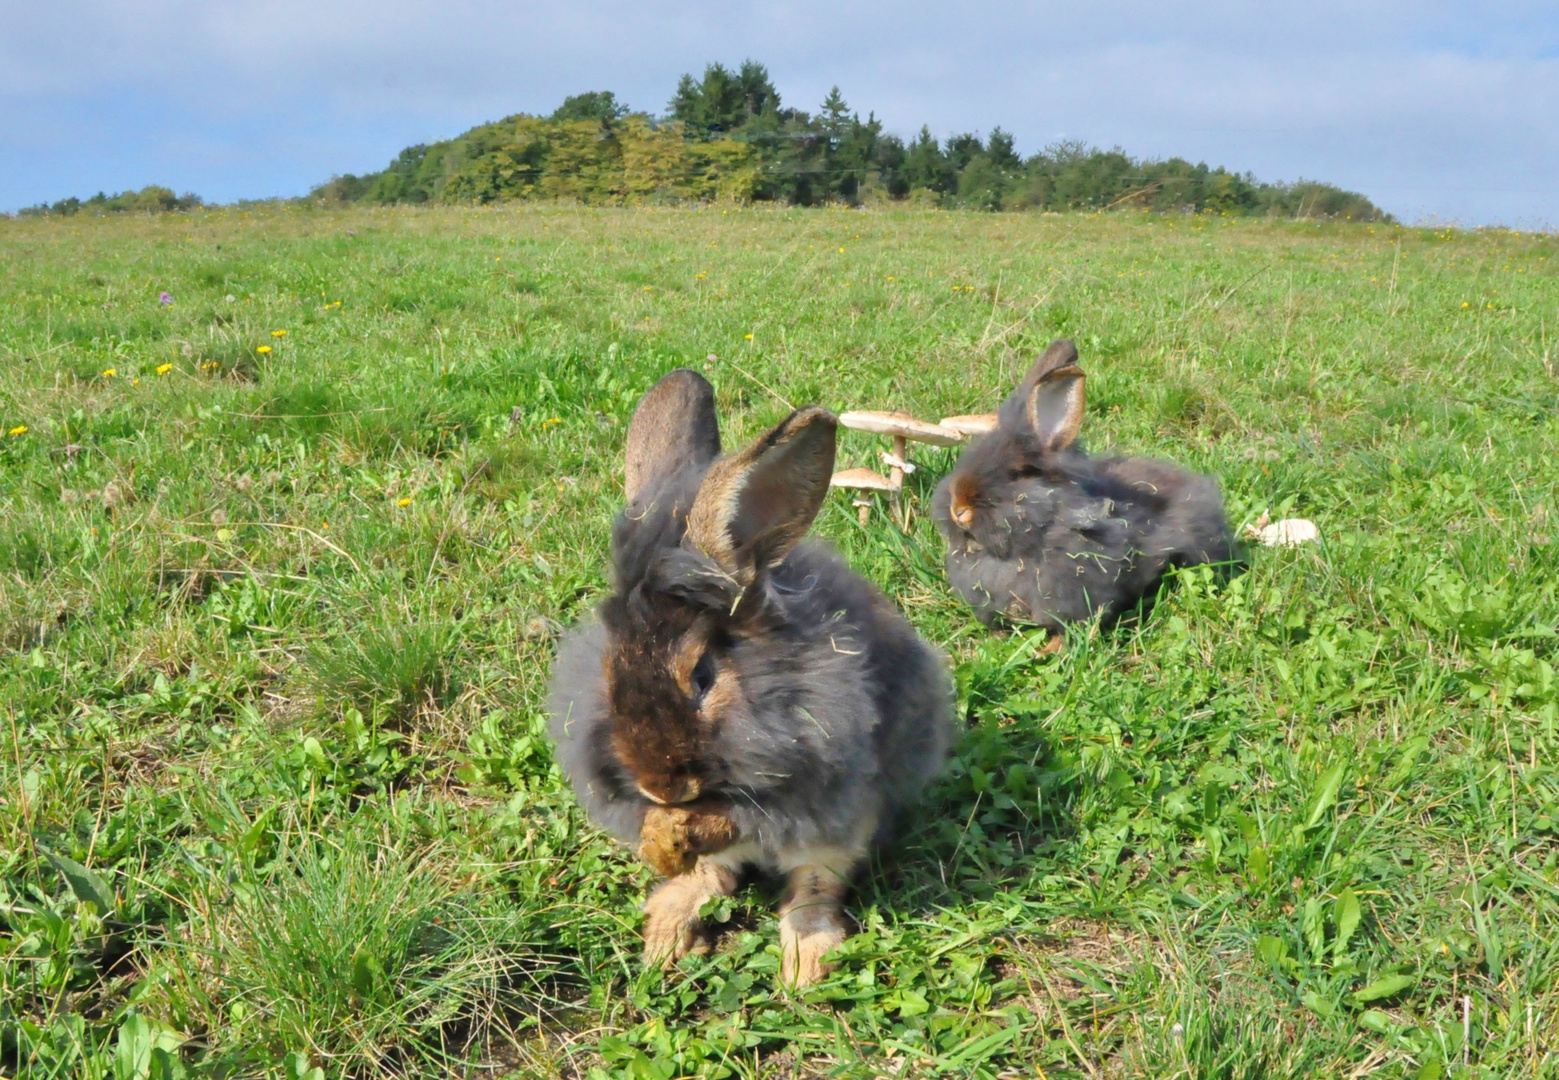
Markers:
(1318, 1004)
(85, 883)
(366, 971)
(1345, 916)
(138, 1039)
(1376, 1021)
(1258, 865)
(1411, 751)
(1313, 923)
(1384, 987)
(1326, 793)
(1273, 950)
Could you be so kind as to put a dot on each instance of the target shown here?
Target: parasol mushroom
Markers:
(862, 480)
(1289, 532)
(972, 424)
(904, 429)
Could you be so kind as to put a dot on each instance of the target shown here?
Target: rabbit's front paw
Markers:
(672, 927)
(811, 923)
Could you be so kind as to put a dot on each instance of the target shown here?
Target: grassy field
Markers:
(282, 564)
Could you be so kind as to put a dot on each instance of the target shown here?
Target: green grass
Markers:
(275, 630)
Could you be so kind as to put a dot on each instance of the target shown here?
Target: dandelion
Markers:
(109, 373)
(749, 337)
(700, 276)
(19, 429)
(210, 365)
(841, 251)
(263, 349)
(278, 333)
(165, 297)
(135, 382)
(163, 369)
(1465, 304)
(403, 501)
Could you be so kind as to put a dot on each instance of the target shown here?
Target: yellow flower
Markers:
(19, 429)
(263, 349)
(749, 337)
(406, 501)
(278, 333)
(1464, 303)
(841, 251)
(647, 288)
(163, 369)
(109, 373)
(700, 275)
(135, 382)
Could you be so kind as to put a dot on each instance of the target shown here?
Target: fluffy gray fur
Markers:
(847, 713)
(1059, 537)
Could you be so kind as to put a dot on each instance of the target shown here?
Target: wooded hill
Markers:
(728, 136)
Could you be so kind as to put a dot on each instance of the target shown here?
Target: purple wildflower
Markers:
(165, 297)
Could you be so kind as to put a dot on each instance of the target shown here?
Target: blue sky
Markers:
(1446, 111)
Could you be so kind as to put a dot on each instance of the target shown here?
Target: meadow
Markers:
(283, 560)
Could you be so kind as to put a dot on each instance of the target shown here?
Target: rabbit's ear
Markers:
(1055, 408)
(674, 424)
(754, 507)
(1014, 414)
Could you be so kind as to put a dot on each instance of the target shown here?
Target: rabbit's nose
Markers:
(963, 515)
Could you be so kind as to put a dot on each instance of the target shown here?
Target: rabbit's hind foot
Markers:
(672, 927)
(812, 922)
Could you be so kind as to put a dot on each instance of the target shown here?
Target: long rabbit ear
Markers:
(754, 507)
(1055, 408)
(673, 424)
(1048, 403)
(1014, 414)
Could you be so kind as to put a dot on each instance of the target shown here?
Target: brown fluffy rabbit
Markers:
(1039, 532)
(742, 697)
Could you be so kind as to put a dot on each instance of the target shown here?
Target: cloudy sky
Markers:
(1436, 110)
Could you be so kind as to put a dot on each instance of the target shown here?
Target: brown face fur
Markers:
(965, 500)
(663, 672)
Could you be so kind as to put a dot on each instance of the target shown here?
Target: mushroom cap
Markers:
(971, 424)
(898, 423)
(1287, 533)
(862, 480)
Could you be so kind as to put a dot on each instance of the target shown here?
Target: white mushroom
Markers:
(1286, 533)
(904, 428)
(972, 424)
(863, 480)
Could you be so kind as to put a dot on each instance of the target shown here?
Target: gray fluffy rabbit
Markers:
(742, 697)
(1039, 532)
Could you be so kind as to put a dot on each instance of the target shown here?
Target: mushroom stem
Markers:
(896, 473)
(863, 510)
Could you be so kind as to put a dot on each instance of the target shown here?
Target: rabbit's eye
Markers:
(704, 674)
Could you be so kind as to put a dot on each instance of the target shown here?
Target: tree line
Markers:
(151, 199)
(728, 135)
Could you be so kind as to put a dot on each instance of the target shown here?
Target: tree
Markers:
(961, 149)
(599, 105)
